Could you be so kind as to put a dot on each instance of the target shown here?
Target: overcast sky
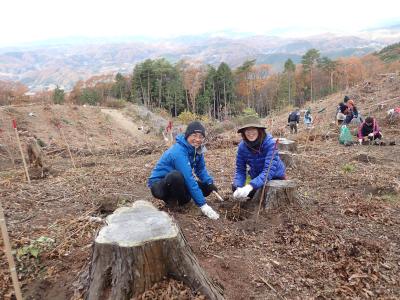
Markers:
(32, 20)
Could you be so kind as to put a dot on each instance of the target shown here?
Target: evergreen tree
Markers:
(243, 73)
(328, 66)
(225, 88)
(309, 60)
(58, 95)
(290, 68)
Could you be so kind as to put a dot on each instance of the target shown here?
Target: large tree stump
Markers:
(287, 158)
(287, 145)
(279, 193)
(139, 246)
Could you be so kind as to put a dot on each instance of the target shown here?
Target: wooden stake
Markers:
(218, 196)
(7, 250)
(266, 178)
(66, 143)
(20, 149)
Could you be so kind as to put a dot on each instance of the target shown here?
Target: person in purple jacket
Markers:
(252, 161)
(369, 130)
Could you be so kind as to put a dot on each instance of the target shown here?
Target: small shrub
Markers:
(248, 115)
(348, 168)
(89, 96)
(162, 112)
(58, 96)
(186, 117)
(390, 197)
(218, 128)
(68, 122)
(114, 103)
(35, 247)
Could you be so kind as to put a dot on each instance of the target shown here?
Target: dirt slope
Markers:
(343, 242)
(125, 123)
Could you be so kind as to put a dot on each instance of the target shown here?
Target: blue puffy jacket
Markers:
(184, 158)
(258, 161)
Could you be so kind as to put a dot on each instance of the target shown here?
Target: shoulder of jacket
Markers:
(242, 146)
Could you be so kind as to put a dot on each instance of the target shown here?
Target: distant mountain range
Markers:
(64, 62)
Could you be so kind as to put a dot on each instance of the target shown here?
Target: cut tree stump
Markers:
(140, 246)
(279, 193)
(287, 145)
(287, 158)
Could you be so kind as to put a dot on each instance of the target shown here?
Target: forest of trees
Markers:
(220, 92)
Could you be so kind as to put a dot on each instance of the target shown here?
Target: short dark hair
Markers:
(369, 120)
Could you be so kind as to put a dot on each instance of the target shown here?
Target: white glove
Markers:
(371, 134)
(360, 141)
(209, 212)
(242, 192)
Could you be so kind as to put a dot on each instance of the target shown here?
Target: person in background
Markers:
(369, 130)
(293, 120)
(172, 178)
(308, 119)
(341, 112)
(352, 112)
(255, 151)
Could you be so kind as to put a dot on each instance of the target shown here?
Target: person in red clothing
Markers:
(369, 130)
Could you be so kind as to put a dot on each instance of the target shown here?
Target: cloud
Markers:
(27, 20)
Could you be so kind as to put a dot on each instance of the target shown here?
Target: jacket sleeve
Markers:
(240, 173)
(376, 127)
(288, 119)
(258, 181)
(201, 171)
(182, 165)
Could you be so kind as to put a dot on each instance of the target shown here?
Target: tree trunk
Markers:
(287, 145)
(311, 84)
(148, 88)
(289, 89)
(142, 90)
(214, 108)
(160, 91)
(279, 193)
(139, 247)
(224, 102)
(187, 99)
(287, 158)
(175, 104)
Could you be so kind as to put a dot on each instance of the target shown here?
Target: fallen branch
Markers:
(271, 287)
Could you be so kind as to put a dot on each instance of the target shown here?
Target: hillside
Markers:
(342, 242)
(390, 53)
(64, 64)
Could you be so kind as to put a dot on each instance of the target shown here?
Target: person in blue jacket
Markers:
(172, 178)
(255, 151)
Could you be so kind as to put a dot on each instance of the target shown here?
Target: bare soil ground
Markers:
(343, 242)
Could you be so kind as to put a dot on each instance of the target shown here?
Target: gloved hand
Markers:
(360, 141)
(242, 192)
(209, 188)
(371, 134)
(209, 212)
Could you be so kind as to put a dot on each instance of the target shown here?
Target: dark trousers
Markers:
(348, 119)
(173, 188)
(293, 126)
